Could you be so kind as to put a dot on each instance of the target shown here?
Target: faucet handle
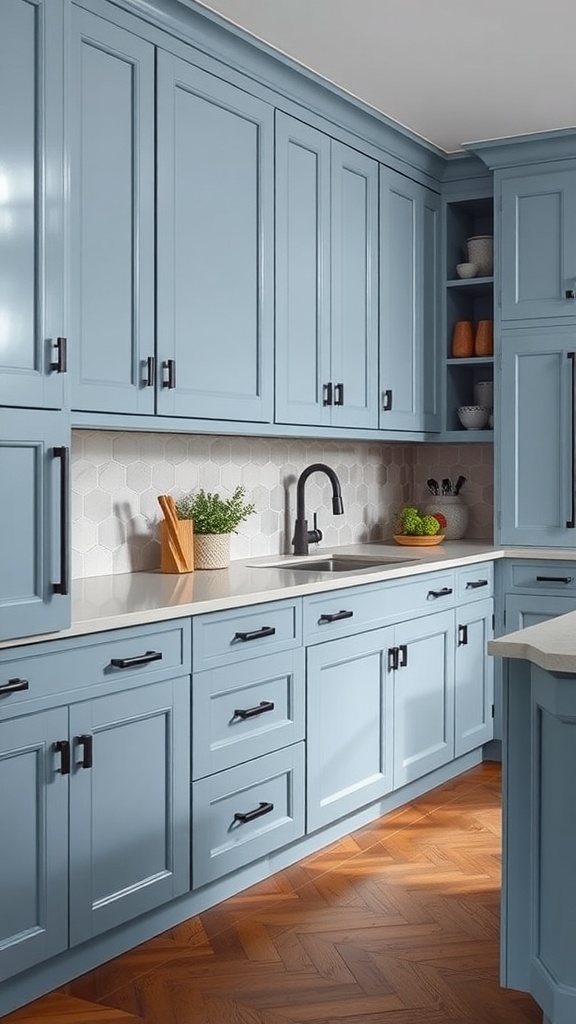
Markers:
(315, 535)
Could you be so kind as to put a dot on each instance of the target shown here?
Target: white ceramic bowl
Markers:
(473, 417)
(484, 393)
(466, 270)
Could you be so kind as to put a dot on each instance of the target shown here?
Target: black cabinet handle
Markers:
(150, 378)
(63, 454)
(260, 709)
(392, 659)
(571, 522)
(86, 741)
(402, 656)
(60, 364)
(327, 394)
(443, 592)
(554, 579)
(14, 686)
(343, 614)
(263, 808)
(170, 380)
(338, 394)
(462, 636)
(130, 663)
(569, 293)
(62, 747)
(255, 634)
(387, 400)
(474, 584)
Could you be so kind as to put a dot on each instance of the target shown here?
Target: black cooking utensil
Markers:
(433, 486)
(446, 486)
(459, 484)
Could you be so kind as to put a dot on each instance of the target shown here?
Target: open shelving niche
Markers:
(471, 299)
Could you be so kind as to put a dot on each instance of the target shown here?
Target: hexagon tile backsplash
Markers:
(117, 477)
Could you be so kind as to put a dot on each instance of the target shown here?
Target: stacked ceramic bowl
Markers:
(473, 417)
(484, 395)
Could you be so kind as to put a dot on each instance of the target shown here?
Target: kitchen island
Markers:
(539, 815)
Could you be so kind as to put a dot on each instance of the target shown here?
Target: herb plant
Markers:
(213, 514)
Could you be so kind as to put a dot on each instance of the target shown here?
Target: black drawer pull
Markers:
(462, 636)
(403, 656)
(62, 747)
(61, 363)
(392, 659)
(14, 686)
(138, 659)
(338, 394)
(255, 634)
(264, 705)
(169, 365)
(63, 584)
(443, 592)
(387, 400)
(263, 808)
(554, 579)
(86, 741)
(327, 394)
(474, 584)
(150, 378)
(343, 614)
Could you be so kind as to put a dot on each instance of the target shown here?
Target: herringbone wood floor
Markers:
(396, 924)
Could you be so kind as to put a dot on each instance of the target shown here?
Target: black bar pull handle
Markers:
(571, 522)
(462, 636)
(570, 293)
(60, 364)
(263, 808)
(63, 585)
(327, 394)
(260, 709)
(138, 659)
(86, 741)
(554, 579)
(393, 659)
(443, 592)
(14, 686)
(255, 634)
(169, 365)
(474, 584)
(387, 400)
(150, 378)
(402, 655)
(338, 394)
(62, 747)
(335, 617)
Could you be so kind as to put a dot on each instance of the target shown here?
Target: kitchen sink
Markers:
(340, 563)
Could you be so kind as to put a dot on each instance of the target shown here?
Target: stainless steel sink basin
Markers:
(341, 563)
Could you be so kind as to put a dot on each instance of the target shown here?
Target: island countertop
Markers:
(550, 644)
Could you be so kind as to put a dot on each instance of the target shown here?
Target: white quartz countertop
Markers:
(550, 644)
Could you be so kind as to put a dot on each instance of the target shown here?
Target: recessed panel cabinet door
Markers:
(32, 358)
(215, 227)
(34, 523)
(538, 232)
(33, 840)
(111, 99)
(474, 683)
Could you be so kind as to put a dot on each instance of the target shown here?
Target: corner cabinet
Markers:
(326, 280)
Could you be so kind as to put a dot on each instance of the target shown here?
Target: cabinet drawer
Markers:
(118, 657)
(357, 609)
(221, 638)
(240, 712)
(475, 582)
(246, 812)
(553, 577)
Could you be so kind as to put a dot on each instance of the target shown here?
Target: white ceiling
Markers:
(452, 71)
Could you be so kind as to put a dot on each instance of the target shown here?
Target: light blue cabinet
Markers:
(32, 324)
(538, 245)
(34, 523)
(111, 117)
(530, 609)
(536, 411)
(409, 298)
(474, 679)
(326, 280)
(215, 223)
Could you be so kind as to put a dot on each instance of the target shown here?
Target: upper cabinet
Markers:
(32, 330)
(538, 244)
(409, 282)
(326, 280)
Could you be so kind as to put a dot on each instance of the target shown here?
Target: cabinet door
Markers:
(34, 523)
(528, 610)
(409, 358)
(111, 97)
(215, 195)
(538, 231)
(302, 272)
(474, 682)
(536, 417)
(129, 805)
(349, 708)
(423, 696)
(33, 841)
(31, 203)
(354, 290)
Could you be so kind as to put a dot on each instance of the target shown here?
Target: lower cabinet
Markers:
(537, 590)
(474, 690)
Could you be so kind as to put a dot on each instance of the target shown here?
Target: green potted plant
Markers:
(214, 519)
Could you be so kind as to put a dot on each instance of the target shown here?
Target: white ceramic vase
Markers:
(455, 511)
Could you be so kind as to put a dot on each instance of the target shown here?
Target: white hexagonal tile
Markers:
(98, 562)
(125, 449)
(84, 477)
(85, 535)
(112, 477)
(220, 450)
(97, 505)
(112, 534)
(163, 477)
(176, 449)
(138, 476)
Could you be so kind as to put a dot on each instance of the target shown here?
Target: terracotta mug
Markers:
(463, 339)
(484, 338)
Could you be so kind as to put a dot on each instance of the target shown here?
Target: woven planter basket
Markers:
(211, 550)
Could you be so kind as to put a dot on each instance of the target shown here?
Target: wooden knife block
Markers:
(169, 560)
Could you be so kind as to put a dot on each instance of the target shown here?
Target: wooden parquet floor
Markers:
(396, 924)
